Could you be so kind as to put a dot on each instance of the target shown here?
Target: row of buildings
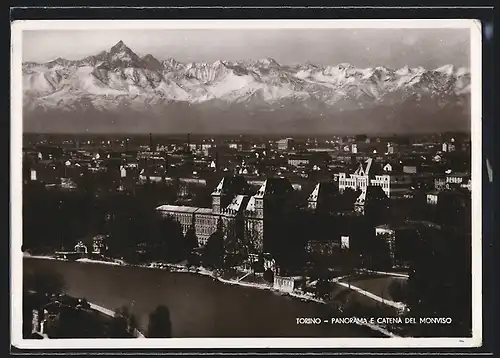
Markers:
(397, 184)
(255, 216)
(291, 158)
(396, 177)
(240, 213)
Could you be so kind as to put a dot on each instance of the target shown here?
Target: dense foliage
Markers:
(160, 325)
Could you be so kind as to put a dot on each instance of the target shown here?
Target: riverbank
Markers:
(110, 313)
(201, 271)
(268, 287)
(94, 321)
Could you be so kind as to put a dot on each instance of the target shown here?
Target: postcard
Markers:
(246, 184)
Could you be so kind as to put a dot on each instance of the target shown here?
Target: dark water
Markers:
(199, 306)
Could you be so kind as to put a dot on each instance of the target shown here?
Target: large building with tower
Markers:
(393, 184)
(242, 215)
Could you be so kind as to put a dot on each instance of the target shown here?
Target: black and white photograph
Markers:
(250, 183)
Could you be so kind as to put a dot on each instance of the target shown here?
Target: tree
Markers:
(190, 240)
(419, 209)
(86, 182)
(76, 323)
(348, 198)
(45, 283)
(123, 317)
(258, 265)
(440, 282)
(398, 290)
(296, 230)
(454, 208)
(235, 241)
(160, 325)
(323, 288)
(248, 243)
(118, 327)
(53, 218)
(317, 269)
(269, 275)
(377, 205)
(379, 252)
(167, 240)
(213, 254)
(201, 196)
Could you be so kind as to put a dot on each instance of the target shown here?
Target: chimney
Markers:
(217, 160)
(151, 142)
(189, 140)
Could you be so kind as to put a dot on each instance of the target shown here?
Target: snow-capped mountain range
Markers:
(118, 90)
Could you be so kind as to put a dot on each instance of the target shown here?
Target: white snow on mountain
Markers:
(446, 69)
(119, 76)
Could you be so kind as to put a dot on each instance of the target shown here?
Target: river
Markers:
(200, 306)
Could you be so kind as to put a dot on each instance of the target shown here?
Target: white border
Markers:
(16, 187)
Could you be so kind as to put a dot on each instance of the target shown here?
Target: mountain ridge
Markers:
(173, 95)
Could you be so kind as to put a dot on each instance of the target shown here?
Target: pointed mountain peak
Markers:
(310, 64)
(121, 56)
(344, 65)
(120, 46)
(219, 63)
(171, 64)
(462, 71)
(57, 60)
(150, 58)
(403, 70)
(382, 68)
(446, 69)
(268, 61)
(151, 62)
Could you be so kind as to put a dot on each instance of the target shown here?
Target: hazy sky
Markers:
(394, 48)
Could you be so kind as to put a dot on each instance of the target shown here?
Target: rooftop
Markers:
(274, 186)
(203, 211)
(237, 203)
(230, 184)
(177, 208)
(323, 190)
(251, 204)
(410, 225)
